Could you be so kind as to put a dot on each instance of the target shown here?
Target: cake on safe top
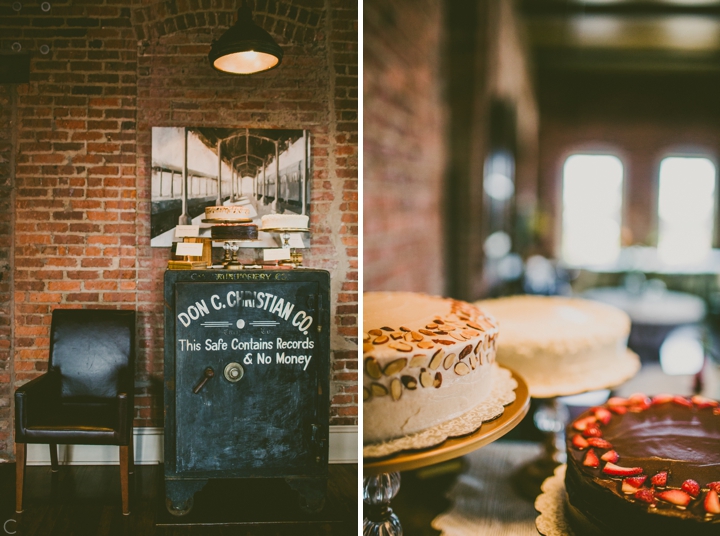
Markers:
(645, 466)
(227, 213)
(545, 337)
(234, 231)
(426, 360)
(284, 221)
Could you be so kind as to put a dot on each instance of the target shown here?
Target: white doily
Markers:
(551, 506)
(502, 394)
(601, 378)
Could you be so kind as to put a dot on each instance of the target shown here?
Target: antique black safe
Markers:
(247, 373)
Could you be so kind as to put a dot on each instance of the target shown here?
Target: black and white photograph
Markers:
(194, 168)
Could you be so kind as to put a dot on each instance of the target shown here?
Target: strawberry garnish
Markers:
(660, 479)
(692, 487)
(639, 402)
(682, 401)
(615, 470)
(646, 495)
(662, 399)
(716, 411)
(632, 484)
(702, 402)
(581, 424)
(675, 496)
(591, 459)
(592, 431)
(639, 408)
(603, 415)
(610, 456)
(579, 442)
(714, 485)
(620, 410)
(712, 502)
(599, 443)
(617, 401)
(636, 481)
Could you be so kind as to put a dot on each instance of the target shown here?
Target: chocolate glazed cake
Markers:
(234, 231)
(642, 466)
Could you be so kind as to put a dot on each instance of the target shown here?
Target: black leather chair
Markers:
(86, 397)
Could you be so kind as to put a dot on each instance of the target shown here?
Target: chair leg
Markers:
(54, 457)
(131, 456)
(124, 479)
(20, 452)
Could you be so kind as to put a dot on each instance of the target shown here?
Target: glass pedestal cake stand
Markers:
(285, 232)
(552, 417)
(230, 260)
(381, 481)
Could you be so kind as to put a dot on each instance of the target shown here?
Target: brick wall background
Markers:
(7, 95)
(431, 71)
(641, 118)
(404, 154)
(82, 173)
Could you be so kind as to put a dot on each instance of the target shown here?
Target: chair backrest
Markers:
(92, 350)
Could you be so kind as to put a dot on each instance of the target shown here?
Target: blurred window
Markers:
(686, 209)
(592, 200)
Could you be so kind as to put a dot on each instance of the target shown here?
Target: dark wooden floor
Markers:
(85, 501)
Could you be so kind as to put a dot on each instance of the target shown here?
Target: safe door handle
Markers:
(209, 373)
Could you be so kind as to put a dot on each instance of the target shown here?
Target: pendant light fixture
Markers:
(245, 48)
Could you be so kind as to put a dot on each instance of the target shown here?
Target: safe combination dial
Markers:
(233, 372)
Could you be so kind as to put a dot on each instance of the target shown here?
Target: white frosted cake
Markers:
(229, 213)
(284, 221)
(547, 339)
(426, 360)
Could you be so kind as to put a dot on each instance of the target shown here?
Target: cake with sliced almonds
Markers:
(426, 360)
(227, 213)
(645, 466)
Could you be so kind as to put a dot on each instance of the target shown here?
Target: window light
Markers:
(592, 209)
(686, 209)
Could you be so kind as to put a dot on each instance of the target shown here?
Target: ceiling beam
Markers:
(625, 60)
(542, 8)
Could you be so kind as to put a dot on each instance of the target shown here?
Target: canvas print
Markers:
(197, 167)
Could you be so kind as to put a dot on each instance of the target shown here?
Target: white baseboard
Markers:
(149, 449)
(343, 444)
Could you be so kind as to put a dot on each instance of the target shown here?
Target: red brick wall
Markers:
(639, 117)
(82, 222)
(404, 146)
(7, 130)
(431, 71)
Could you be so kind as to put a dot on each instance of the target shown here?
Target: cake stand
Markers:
(244, 220)
(552, 417)
(285, 232)
(381, 481)
(231, 247)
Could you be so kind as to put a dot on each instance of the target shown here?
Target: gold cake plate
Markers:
(457, 446)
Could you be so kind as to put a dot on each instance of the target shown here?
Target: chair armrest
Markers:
(38, 392)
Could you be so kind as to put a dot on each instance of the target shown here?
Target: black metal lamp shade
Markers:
(245, 48)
